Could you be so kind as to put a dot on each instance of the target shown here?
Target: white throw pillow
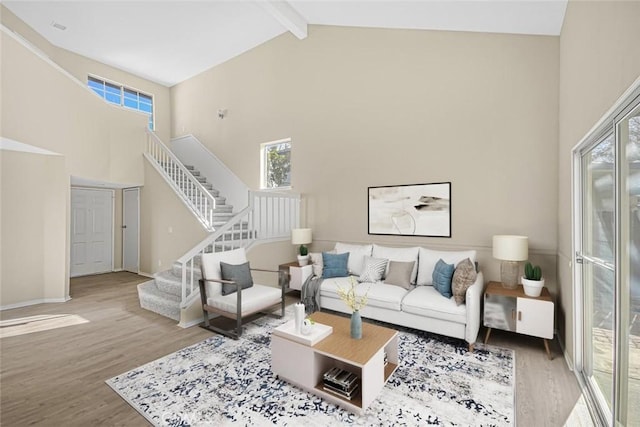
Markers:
(373, 269)
(398, 254)
(317, 263)
(429, 258)
(356, 256)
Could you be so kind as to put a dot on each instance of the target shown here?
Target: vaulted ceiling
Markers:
(171, 41)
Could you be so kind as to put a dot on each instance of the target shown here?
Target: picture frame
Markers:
(410, 210)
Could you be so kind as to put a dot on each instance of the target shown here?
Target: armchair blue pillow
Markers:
(334, 265)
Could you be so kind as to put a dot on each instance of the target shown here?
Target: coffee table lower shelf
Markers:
(356, 402)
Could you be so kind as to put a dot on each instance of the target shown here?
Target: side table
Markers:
(296, 274)
(513, 310)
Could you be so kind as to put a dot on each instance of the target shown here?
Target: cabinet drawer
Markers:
(500, 312)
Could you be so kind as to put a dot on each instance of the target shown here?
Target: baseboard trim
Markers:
(34, 302)
(142, 273)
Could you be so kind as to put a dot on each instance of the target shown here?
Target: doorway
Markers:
(131, 229)
(91, 231)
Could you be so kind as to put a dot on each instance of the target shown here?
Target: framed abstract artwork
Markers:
(411, 210)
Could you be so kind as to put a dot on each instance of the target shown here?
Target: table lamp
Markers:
(302, 237)
(510, 250)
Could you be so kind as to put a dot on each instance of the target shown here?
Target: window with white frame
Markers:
(275, 164)
(116, 93)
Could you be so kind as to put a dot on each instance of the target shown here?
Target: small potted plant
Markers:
(303, 258)
(532, 281)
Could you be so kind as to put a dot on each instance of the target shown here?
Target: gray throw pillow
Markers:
(464, 276)
(241, 274)
(399, 274)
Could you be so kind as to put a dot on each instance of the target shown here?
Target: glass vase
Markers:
(356, 325)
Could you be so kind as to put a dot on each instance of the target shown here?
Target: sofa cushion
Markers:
(384, 296)
(442, 275)
(373, 269)
(429, 258)
(378, 294)
(240, 273)
(399, 273)
(329, 287)
(253, 299)
(427, 301)
(356, 255)
(464, 276)
(334, 265)
(398, 254)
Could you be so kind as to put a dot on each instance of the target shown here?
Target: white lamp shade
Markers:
(301, 236)
(511, 248)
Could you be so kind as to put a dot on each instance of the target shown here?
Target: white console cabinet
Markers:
(297, 274)
(512, 310)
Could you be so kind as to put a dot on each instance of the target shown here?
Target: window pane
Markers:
(599, 180)
(599, 283)
(97, 86)
(277, 167)
(131, 103)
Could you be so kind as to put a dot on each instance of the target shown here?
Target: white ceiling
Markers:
(171, 41)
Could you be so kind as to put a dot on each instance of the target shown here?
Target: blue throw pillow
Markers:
(334, 265)
(442, 275)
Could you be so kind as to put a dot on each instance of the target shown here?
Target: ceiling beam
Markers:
(287, 16)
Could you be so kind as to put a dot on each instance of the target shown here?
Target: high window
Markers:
(118, 94)
(275, 164)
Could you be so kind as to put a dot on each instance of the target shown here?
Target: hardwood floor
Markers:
(56, 377)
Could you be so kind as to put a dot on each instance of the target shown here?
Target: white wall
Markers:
(367, 107)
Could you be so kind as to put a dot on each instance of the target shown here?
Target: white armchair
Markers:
(227, 289)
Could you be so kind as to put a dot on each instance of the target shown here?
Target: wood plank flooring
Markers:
(56, 377)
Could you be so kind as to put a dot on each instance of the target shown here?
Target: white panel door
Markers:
(130, 229)
(91, 231)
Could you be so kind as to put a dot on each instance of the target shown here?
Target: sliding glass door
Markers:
(607, 273)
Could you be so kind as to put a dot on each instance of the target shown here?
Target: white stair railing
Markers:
(191, 191)
(269, 217)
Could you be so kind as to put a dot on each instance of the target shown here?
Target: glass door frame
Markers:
(610, 123)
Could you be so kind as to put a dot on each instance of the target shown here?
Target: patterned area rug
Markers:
(220, 382)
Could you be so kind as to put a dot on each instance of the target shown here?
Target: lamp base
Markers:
(509, 274)
(303, 260)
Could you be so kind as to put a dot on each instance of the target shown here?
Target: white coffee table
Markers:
(303, 365)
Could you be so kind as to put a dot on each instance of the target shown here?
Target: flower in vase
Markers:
(353, 301)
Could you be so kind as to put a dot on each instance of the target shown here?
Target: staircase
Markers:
(269, 216)
(163, 295)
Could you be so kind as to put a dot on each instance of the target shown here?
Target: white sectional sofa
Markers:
(419, 305)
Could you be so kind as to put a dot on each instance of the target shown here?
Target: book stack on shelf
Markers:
(341, 383)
